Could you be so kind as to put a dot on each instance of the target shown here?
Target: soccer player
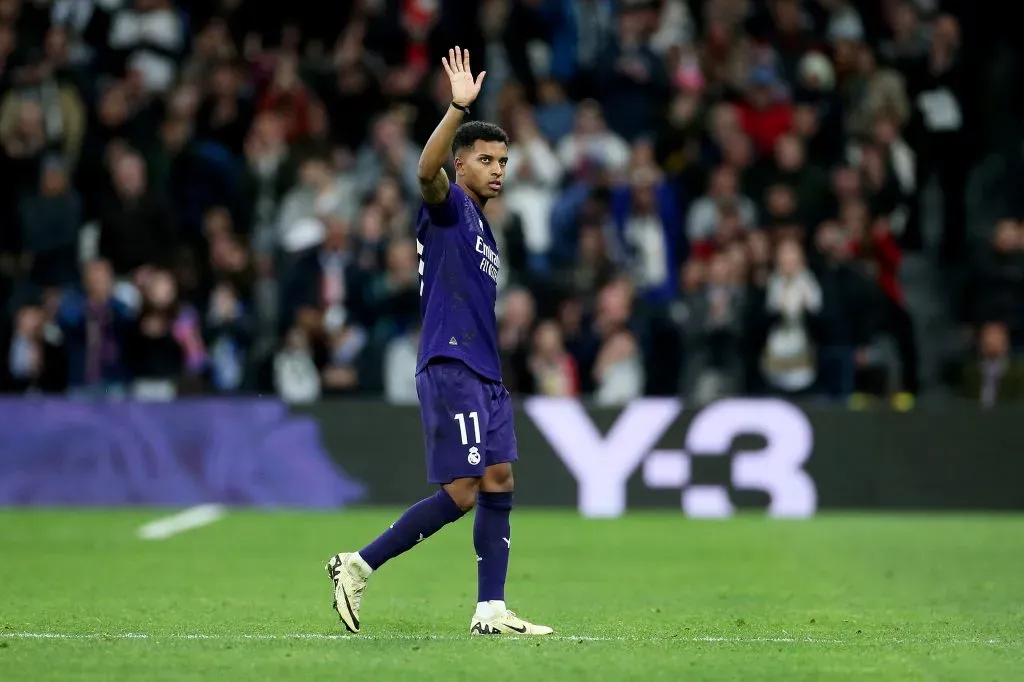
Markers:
(467, 413)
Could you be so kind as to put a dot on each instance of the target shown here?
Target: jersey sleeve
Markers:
(446, 213)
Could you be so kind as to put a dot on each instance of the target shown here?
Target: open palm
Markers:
(464, 88)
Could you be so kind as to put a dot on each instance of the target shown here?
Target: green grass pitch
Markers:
(652, 596)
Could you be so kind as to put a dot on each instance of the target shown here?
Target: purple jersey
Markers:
(458, 285)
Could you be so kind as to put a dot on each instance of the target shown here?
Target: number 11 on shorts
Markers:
(461, 418)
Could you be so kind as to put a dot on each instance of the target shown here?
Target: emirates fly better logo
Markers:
(602, 464)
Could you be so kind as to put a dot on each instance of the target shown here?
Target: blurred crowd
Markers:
(703, 197)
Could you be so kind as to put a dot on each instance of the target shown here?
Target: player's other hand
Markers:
(464, 88)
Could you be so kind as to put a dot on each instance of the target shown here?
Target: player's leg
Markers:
(350, 571)
(453, 407)
(492, 536)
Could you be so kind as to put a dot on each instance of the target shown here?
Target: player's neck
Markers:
(481, 202)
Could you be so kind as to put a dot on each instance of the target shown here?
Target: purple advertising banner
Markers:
(246, 452)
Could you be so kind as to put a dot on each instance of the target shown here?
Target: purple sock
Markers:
(492, 541)
(419, 522)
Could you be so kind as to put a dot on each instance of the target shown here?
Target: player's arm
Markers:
(434, 181)
(430, 170)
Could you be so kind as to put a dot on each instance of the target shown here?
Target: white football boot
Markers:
(492, 618)
(349, 572)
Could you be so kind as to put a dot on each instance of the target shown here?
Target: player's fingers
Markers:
(480, 79)
(465, 61)
(457, 65)
(452, 64)
(444, 63)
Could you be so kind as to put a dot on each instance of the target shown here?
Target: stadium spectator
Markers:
(389, 151)
(851, 311)
(793, 301)
(137, 227)
(227, 334)
(400, 358)
(554, 112)
(166, 345)
(678, 139)
(146, 37)
(532, 176)
(877, 247)
(50, 221)
(324, 278)
(592, 144)
(296, 378)
(936, 85)
(646, 216)
(631, 78)
(289, 97)
(764, 113)
(593, 266)
(271, 170)
(553, 369)
(96, 327)
(392, 296)
(723, 194)
(809, 184)
(510, 235)
(42, 104)
(997, 280)
(995, 377)
(395, 211)
(515, 326)
(34, 360)
(727, 230)
(371, 239)
(320, 198)
(618, 370)
(714, 328)
(608, 362)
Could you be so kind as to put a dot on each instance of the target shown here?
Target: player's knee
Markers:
(498, 479)
(463, 492)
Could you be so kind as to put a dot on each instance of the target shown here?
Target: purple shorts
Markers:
(467, 421)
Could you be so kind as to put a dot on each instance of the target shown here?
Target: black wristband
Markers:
(461, 108)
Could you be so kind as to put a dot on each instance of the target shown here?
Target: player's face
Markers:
(482, 168)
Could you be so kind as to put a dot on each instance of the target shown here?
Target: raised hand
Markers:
(464, 88)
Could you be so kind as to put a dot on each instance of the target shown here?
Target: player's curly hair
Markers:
(468, 133)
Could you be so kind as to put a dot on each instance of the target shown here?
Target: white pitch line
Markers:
(452, 638)
(193, 517)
